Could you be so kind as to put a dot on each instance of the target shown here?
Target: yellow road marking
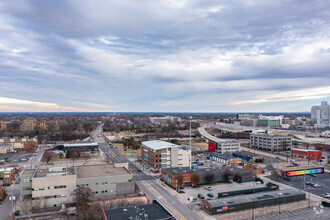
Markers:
(172, 210)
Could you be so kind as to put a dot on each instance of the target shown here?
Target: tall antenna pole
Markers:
(190, 142)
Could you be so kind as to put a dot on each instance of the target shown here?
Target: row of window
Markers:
(27, 180)
(49, 197)
(95, 184)
(104, 191)
(50, 187)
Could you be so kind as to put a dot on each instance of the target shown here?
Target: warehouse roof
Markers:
(205, 171)
(305, 150)
(226, 156)
(300, 168)
(148, 211)
(158, 144)
(239, 199)
(81, 144)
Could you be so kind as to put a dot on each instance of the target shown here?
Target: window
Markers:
(106, 191)
(156, 160)
(26, 180)
(102, 191)
(96, 184)
(106, 183)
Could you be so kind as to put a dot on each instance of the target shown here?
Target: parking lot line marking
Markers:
(169, 208)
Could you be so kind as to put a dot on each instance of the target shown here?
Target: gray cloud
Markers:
(164, 55)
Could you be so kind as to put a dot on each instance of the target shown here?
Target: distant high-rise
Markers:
(320, 114)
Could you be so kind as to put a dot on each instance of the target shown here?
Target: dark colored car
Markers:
(181, 191)
(210, 195)
(309, 183)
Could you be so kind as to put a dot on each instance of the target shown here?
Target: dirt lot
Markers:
(199, 144)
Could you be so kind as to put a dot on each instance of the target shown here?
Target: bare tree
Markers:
(194, 179)
(107, 159)
(179, 180)
(48, 156)
(81, 196)
(75, 154)
(25, 207)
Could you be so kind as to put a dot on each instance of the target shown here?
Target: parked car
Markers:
(209, 188)
(200, 196)
(326, 195)
(319, 160)
(200, 163)
(313, 175)
(316, 185)
(210, 195)
(18, 180)
(309, 183)
(181, 191)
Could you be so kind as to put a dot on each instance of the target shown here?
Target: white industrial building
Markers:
(226, 147)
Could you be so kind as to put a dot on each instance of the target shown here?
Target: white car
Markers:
(209, 188)
(326, 195)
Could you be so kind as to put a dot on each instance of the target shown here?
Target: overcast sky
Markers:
(164, 55)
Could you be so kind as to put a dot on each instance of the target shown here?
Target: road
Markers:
(6, 207)
(205, 134)
(156, 191)
(148, 184)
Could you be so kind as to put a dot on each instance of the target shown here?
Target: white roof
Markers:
(80, 144)
(158, 144)
(6, 169)
(306, 150)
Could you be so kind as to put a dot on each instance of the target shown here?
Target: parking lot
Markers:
(15, 157)
(322, 179)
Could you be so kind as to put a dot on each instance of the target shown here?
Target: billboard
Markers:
(302, 172)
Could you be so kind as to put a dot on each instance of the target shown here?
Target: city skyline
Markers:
(164, 56)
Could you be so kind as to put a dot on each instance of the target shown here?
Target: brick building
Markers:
(7, 175)
(177, 177)
(253, 168)
(306, 154)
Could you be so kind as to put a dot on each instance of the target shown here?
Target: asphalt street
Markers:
(155, 191)
(6, 207)
(147, 183)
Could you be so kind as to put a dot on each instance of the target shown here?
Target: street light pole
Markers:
(279, 203)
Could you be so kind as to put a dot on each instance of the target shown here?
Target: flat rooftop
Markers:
(301, 168)
(29, 171)
(226, 156)
(55, 171)
(99, 171)
(240, 199)
(153, 211)
(81, 144)
(158, 144)
(305, 150)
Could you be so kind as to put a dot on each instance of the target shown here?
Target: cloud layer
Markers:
(165, 55)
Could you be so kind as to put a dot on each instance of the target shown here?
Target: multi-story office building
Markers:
(227, 147)
(105, 180)
(165, 119)
(269, 121)
(49, 187)
(320, 115)
(270, 142)
(53, 186)
(160, 154)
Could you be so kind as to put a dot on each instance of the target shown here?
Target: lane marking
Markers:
(175, 212)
